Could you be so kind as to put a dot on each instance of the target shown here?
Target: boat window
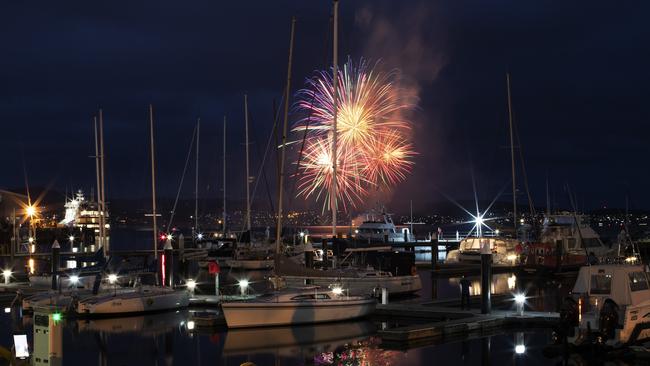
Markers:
(638, 281)
(601, 284)
(322, 296)
(303, 297)
(591, 242)
(572, 243)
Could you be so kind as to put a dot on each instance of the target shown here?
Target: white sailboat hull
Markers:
(147, 300)
(361, 285)
(264, 314)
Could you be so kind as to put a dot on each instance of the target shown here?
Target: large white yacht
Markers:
(379, 228)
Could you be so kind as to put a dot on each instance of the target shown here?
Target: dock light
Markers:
(74, 280)
(71, 238)
(199, 236)
(7, 310)
(520, 300)
(512, 257)
(56, 317)
(170, 237)
(190, 325)
(31, 265)
(496, 232)
(243, 285)
(30, 240)
(337, 290)
(302, 234)
(112, 278)
(191, 285)
(520, 349)
(356, 231)
(6, 273)
(630, 259)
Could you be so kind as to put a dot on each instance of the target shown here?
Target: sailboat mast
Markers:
(99, 184)
(548, 199)
(512, 158)
(287, 93)
(102, 213)
(153, 185)
(224, 176)
(196, 182)
(248, 174)
(335, 85)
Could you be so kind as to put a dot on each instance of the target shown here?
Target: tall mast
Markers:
(153, 185)
(548, 198)
(248, 174)
(512, 158)
(224, 176)
(335, 85)
(99, 183)
(103, 193)
(287, 93)
(196, 182)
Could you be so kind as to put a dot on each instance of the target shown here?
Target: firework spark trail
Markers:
(373, 149)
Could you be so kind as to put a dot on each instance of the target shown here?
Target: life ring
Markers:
(414, 270)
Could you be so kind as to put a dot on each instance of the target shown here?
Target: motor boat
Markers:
(505, 251)
(308, 305)
(381, 228)
(610, 304)
(565, 243)
(144, 299)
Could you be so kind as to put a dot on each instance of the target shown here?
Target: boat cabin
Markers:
(624, 284)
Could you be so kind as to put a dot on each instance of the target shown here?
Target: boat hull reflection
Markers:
(290, 340)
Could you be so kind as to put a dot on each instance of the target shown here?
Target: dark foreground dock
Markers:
(435, 324)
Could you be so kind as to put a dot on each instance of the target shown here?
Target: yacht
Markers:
(610, 304)
(565, 242)
(306, 305)
(380, 228)
(505, 251)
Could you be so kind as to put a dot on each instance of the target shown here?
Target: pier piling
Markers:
(486, 278)
(56, 257)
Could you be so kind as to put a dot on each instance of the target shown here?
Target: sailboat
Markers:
(306, 305)
(146, 298)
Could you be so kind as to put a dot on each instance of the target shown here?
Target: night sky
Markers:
(579, 82)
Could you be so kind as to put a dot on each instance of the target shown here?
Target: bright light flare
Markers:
(74, 279)
(190, 325)
(520, 349)
(337, 290)
(112, 278)
(199, 236)
(30, 210)
(191, 285)
(71, 238)
(520, 299)
(243, 284)
(6, 273)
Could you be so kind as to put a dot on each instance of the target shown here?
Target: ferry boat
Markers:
(382, 229)
(565, 243)
(307, 305)
(610, 304)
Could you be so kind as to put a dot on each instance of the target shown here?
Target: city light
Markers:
(199, 236)
(112, 278)
(30, 210)
(520, 298)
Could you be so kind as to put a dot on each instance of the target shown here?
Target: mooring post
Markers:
(384, 296)
(56, 257)
(434, 252)
(486, 276)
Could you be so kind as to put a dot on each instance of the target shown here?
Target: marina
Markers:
(336, 183)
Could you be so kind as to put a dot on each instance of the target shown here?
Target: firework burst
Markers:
(372, 146)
